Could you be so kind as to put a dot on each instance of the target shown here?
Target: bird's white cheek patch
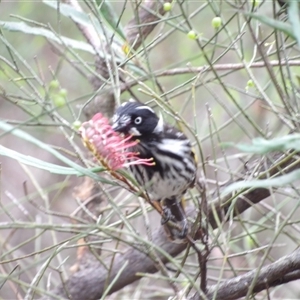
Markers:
(133, 131)
(160, 125)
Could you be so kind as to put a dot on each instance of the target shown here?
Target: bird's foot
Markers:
(167, 215)
(177, 231)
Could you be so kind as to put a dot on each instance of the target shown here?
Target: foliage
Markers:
(234, 82)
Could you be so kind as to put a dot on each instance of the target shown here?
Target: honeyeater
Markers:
(174, 171)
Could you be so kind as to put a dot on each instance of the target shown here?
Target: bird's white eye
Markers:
(138, 120)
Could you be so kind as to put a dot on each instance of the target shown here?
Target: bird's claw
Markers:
(167, 215)
(183, 224)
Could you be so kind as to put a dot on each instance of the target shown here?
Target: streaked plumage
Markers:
(175, 167)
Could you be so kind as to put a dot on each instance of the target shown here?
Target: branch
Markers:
(146, 19)
(282, 271)
(90, 283)
(105, 102)
(196, 70)
(279, 164)
(88, 32)
(225, 67)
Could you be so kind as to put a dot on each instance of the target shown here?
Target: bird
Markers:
(174, 169)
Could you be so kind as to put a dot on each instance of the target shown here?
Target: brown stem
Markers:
(282, 271)
(146, 19)
(89, 283)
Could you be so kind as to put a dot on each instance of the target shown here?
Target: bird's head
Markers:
(136, 119)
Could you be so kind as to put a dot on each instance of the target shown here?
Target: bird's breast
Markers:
(174, 169)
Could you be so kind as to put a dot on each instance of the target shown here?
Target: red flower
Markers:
(109, 147)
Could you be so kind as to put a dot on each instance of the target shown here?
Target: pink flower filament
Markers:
(108, 146)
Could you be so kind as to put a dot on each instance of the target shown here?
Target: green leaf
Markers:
(294, 18)
(70, 12)
(41, 164)
(264, 183)
(108, 13)
(27, 137)
(88, 20)
(281, 26)
(262, 146)
(23, 27)
(37, 163)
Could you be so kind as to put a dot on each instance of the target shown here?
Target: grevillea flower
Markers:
(109, 147)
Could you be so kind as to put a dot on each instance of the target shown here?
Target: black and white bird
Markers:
(175, 166)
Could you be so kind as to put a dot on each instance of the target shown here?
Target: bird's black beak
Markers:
(121, 125)
(116, 127)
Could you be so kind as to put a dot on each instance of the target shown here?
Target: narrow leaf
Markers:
(281, 26)
(27, 137)
(40, 164)
(108, 13)
(84, 19)
(294, 18)
(264, 183)
(34, 162)
(23, 27)
(262, 146)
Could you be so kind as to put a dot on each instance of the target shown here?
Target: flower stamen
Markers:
(109, 147)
